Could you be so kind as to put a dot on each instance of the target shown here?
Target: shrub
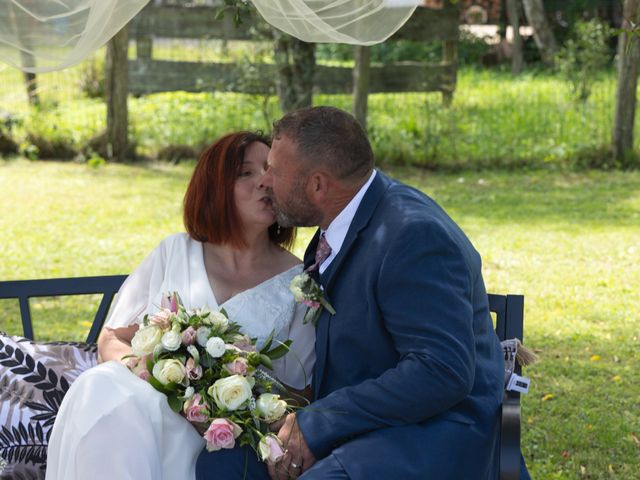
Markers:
(7, 145)
(583, 56)
(175, 153)
(58, 148)
(92, 81)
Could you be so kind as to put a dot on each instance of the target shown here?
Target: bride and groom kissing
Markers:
(406, 373)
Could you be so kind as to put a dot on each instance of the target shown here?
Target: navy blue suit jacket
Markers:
(409, 375)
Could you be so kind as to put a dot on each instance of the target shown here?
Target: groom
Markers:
(409, 375)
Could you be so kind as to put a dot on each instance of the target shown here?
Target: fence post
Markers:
(449, 57)
(117, 89)
(362, 57)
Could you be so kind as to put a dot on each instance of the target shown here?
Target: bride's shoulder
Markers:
(287, 260)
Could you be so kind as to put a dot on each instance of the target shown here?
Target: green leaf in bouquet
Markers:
(157, 385)
(267, 344)
(174, 402)
(266, 361)
(150, 364)
(280, 351)
(157, 351)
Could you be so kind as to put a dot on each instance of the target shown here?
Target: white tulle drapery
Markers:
(358, 22)
(45, 35)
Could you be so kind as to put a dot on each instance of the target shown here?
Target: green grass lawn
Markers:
(570, 242)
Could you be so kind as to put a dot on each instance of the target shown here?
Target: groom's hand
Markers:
(298, 458)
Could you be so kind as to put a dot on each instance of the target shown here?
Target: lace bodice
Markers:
(177, 264)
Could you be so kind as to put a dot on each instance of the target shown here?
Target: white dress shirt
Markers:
(336, 232)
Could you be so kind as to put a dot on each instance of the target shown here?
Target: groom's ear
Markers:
(319, 185)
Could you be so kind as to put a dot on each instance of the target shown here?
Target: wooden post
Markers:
(513, 12)
(542, 33)
(628, 57)
(362, 57)
(117, 89)
(449, 56)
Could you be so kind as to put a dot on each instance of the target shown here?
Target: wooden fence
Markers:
(145, 75)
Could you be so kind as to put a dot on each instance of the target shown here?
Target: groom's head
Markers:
(319, 159)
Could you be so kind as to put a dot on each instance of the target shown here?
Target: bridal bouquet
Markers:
(209, 372)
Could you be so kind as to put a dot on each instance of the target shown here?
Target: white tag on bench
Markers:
(518, 384)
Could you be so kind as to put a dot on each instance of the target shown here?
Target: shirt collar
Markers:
(336, 232)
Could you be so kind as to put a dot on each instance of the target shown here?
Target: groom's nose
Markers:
(266, 180)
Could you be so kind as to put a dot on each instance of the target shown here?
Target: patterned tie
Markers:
(323, 250)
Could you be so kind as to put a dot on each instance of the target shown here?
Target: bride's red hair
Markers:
(210, 213)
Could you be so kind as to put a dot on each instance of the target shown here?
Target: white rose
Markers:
(270, 407)
(169, 371)
(219, 321)
(216, 347)
(202, 335)
(145, 340)
(171, 341)
(230, 392)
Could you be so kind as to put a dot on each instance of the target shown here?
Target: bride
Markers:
(113, 425)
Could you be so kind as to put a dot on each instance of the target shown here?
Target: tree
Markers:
(542, 33)
(295, 62)
(513, 12)
(628, 57)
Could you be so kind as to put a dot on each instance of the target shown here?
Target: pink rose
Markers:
(194, 372)
(237, 367)
(161, 319)
(189, 336)
(222, 433)
(270, 449)
(311, 304)
(174, 303)
(244, 343)
(169, 302)
(195, 410)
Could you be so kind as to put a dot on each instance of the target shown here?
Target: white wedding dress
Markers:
(114, 426)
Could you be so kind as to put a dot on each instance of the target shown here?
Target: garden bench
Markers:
(509, 311)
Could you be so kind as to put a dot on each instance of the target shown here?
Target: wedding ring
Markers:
(294, 465)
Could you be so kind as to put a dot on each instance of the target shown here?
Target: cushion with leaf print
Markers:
(34, 378)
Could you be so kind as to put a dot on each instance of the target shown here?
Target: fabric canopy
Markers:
(45, 35)
(358, 22)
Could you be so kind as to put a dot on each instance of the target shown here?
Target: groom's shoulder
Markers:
(399, 197)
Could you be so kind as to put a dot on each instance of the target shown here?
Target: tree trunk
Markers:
(117, 89)
(513, 12)
(295, 62)
(628, 56)
(362, 56)
(542, 33)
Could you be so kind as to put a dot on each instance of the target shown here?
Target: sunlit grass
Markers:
(570, 242)
(495, 120)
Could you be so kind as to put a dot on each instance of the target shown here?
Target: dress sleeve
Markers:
(138, 290)
(296, 367)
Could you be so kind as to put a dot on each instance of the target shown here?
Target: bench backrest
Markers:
(108, 286)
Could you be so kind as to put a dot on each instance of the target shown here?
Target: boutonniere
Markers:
(307, 291)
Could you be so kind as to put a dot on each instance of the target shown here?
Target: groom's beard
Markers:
(296, 210)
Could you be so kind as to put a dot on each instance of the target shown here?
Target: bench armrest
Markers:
(510, 437)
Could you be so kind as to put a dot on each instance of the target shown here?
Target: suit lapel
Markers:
(365, 210)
